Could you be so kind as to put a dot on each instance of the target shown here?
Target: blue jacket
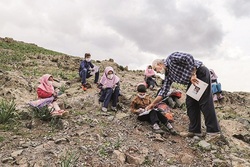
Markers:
(85, 65)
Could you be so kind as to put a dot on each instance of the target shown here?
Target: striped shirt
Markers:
(179, 69)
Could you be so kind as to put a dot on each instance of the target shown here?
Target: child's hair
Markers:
(87, 55)
(141, 88)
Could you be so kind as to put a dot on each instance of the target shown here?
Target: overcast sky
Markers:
(135, 32)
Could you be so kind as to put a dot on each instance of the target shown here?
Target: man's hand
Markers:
(194, 80)
(149, 107)
(156, 101)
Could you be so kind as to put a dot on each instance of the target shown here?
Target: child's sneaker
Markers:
(113, 108)
(220, 97)
(84, 88)
(215, 97)
(157, 129)
(171, 129)
(56, 113)
(104, 109)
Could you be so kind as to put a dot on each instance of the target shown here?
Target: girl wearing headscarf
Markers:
(47, 95)
(216, 87)
(150, 77)
(110, 90)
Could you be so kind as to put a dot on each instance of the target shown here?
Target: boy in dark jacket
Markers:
(86, 70)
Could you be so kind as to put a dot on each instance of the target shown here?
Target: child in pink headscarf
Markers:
(150, 77)
(110, 90)
(47, 95)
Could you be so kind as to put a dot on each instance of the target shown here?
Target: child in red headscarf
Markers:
(46, 90)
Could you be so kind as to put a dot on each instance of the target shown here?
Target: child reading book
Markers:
(138, 105)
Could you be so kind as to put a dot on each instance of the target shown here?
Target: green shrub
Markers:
(7, 111)
(69, 160)
(2, 138)
(43, 113)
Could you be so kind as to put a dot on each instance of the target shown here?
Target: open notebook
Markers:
(196, 91)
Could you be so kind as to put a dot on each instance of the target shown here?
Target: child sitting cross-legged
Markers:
(138, 105)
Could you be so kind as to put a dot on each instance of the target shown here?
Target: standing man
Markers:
(184, 69)
(87, 69)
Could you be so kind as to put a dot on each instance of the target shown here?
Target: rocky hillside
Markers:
(89, 137)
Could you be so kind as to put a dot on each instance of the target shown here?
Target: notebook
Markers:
(196, 91)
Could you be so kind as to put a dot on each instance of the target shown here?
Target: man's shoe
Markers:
(191, 134)
(212, 136)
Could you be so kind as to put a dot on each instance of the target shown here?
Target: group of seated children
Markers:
(110, 90)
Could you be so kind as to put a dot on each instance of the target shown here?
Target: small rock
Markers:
(121, 115)
(158, 138)
(137, 160)
(61, 140)
(16, 153)
(120, 156)
(162, 152)
(205, 145)
(186, 159)
(4, 160)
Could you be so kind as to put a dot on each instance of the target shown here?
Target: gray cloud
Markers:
(156, 27)
(239, 8)
(161, 27)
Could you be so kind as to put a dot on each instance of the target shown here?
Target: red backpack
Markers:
(165, 110)
(176, 93)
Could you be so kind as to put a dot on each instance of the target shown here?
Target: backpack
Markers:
(165, 110)
(176, 93)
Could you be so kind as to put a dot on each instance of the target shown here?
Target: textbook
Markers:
(196, 91)
(145, 112)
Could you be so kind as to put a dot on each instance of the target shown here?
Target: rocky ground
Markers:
(89, 137)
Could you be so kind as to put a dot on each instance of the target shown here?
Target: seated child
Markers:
(110, 89)
(138, 105)
(47, 96)
(150, 77)
(87, 69)
(216, 87)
